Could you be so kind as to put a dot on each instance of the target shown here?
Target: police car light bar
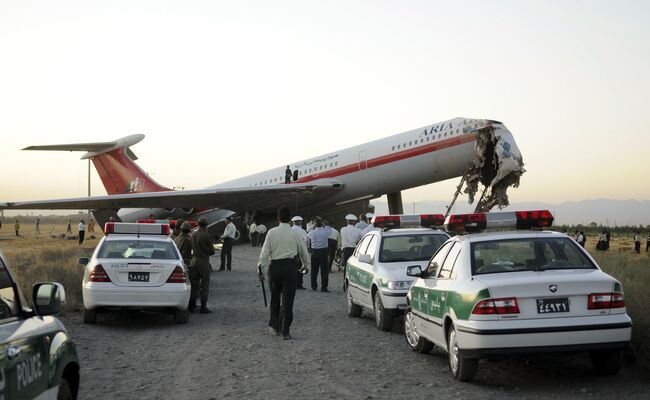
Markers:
(112, 228)
(516, 219)
(407, 220)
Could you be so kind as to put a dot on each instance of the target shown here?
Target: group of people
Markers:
(257, 234)
(290, 250)
(637, 242)
(604, 239)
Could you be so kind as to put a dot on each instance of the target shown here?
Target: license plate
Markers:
(545, 306)
(138, 277)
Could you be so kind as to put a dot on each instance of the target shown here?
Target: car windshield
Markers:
(138, 249)
(409, 247)
(529, 254)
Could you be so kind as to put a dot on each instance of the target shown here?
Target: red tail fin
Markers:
(120, 174)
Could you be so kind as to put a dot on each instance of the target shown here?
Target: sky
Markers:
(224, 89)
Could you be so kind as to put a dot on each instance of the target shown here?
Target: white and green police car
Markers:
(516, 292)
(37, 358)
(375, 276)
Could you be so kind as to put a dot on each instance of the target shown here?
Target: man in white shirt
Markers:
(228, 239)
(350, 236)
(319, 252)
(278, 254)
(252, 233)
(297, 227)
(82, 231)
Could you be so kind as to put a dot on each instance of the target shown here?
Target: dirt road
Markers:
(230, 354)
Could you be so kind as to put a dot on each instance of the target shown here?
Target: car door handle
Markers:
(13, 352)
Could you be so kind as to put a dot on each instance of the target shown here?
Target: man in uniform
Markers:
(252, 233)
(200, 267)
(287, 175)
(183, 241)
(350, 236)
(319, 252)
(281, 247)
(261, 234)
(228, 240)
(362, 224)
(332, 244)
(177, 229)
(297, 227)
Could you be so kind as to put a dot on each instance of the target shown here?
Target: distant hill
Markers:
(601, 211)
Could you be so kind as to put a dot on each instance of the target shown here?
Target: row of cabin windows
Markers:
(301, 173)
(427, 139)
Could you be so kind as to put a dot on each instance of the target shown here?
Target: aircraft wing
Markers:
(237, 199)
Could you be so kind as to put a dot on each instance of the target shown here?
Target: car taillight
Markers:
(600, 301)
(177, 276)
(98, 274)
(496, 306)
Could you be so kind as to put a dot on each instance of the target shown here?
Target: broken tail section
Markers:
(115, 164)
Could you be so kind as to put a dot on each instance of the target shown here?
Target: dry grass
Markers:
(47, 259)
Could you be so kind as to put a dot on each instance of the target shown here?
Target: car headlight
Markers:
(399, 285)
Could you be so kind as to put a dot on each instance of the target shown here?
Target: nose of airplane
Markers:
(498, 165)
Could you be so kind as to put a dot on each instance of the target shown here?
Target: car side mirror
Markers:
(83, 261)
(414, 270)
(47, 298)
(365, 258)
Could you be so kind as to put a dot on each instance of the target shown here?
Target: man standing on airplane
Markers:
(202, 249)
(287, 175)
(228, 240)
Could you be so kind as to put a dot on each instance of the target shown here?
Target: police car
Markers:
(375, 276)
(514, 292)
(135, 266)
(37, 357)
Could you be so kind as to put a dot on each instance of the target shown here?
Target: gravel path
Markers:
(230, 354)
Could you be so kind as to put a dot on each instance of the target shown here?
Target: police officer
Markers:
(202, 249)
(183, 241)
(279, 250)
(362, 224)
(261, 234)
(350, 236)
(297, 227)
(228, 240)
(252, 233)
(177, 229)
(319, 252)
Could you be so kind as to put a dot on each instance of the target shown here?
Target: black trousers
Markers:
(319, 262)
(254, 239)
(226, 253)
(282, 282)
(347, 252)
(331, 245)
(298, 263)
(637, 247)
(81, 236)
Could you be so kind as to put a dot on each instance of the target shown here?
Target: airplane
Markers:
(480, 150)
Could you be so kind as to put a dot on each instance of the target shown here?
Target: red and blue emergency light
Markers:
(478, 222)
(408, 220)
(128, 228)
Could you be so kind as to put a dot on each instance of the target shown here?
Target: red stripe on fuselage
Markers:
(389, 158)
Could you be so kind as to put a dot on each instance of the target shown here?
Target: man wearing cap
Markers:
(319, 252)
(261, 234)
(177, 229)
(252, 233)
(297, 227)
(371, 226)
(202, 249)
(228, 239)
(278, 253)
(350, 236)
(362, 224)
(332, 244)
(183, 241)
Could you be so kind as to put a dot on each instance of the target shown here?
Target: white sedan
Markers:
(520, 292)
(135, 266)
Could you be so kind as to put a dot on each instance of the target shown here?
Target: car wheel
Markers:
(413, 339)
(354, 310)
(606, 362)
(90, 316)
(462, 368)
(64, 392)
(383, 319)
(182, 316)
